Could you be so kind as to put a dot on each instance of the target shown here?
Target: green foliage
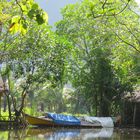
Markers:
(95, 48)
(36, 61)
(18, 19)
(101, 62)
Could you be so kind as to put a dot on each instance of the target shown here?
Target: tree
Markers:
(95, 30)
(36, 61)
(20, 52)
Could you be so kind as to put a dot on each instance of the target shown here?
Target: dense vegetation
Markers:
(86, 66)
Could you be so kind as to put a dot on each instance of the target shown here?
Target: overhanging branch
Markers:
(128, 43)
(115, 14)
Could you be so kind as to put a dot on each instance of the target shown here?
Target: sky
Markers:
(53, 8)
(138, 1)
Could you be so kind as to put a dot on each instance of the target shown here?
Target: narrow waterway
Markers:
(70, 134)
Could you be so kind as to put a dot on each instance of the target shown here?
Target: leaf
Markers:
(45, 16)
(35, 6)
(39, 19)
(31, 13)
(4, 17)
(24, 8)
(24, 23)
(23, 31)
(14, 28)
(15, 19)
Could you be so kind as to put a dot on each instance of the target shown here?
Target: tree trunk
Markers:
(9, 107)
(0, 107)
(101, 104)
(0, 28)
(134, 115)
(4, 103)
(42, 107)
(105, 109)
(96, 106)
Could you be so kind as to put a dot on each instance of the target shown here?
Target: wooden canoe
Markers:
(47, 122)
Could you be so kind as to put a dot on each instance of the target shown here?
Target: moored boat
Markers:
(59, 120)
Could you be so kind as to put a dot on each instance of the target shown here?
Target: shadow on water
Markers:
(70, 134)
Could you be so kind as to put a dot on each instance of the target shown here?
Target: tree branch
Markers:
(128, 43)
(20, 9)
(115, 14)
(103, 6)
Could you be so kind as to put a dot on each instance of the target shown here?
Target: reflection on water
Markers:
(70, 134)
(97, 133)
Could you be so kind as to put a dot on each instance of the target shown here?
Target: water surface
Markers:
(71, 134)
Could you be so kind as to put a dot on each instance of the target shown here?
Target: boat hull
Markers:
(46, 122)
(39, 121)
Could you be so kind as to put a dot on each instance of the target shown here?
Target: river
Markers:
(70, 134)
